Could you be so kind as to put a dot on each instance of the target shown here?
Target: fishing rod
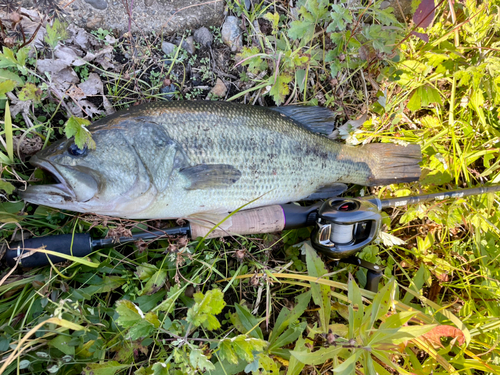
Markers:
(342, 228)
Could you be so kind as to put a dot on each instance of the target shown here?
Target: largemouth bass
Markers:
(183, 159)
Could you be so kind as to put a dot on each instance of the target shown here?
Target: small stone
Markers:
(168, 47)
(148, 3)
(188, 45)
(385, 5)
(98, 4)
(231, 34)
(204, 37)
(94, 22)
(219, 89)
(168, 91)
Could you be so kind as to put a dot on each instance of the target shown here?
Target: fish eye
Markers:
(74, 150)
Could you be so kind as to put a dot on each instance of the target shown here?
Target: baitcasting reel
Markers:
(344, 227)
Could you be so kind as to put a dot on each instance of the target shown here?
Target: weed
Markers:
(100, 34)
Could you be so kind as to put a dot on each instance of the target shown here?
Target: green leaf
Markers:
(226, 352)
(9, 141)
(107, 284)
(248, 321)
(7, 58)
(415, 102)
(477, 102)
(287, 317)
(200, 361)
(6, 86)
(340, 17)
(400, 335)
(318, 357)
(205, 308)
(301, 30)
(129, 313)
(268, 366)
(21, 57)
(252, 58)
(245, 346)
(145, 271)
(348, 365)
(168, 304)
(8, 75)
(417, 283)
(154, 284)
(103, 368)
(131, 316)
(300, 76)
(294, 365)
(76, 126)
(274, 18)
(320, 293)
(381, 304)
(312, 13)
(289, 336)
(30, 92)
(356, 307)
(423, 96)
(280, 87)
(141, 329)
(61, 342)
(7, 187)
(152, 319)
(56, 32)
(9, 212)
(160, 368)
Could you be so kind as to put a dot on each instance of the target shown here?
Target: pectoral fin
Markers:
(209, 176)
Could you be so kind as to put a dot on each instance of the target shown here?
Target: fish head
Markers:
(110, 179)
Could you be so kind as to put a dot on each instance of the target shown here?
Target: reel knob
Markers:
(345, 226)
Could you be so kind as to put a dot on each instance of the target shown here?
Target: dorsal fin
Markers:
(315, 119)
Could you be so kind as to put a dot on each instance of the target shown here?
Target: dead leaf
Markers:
(79, 37)
(84, 108)
(108, 106)
(424, 15)
(219, 89)
(423, 36)
(434, 336)
(69, 55)
(92, 86)
(61, 73)
(18, 106)
(27, 146)
(349, 126)
(76, 93)
(103, 57)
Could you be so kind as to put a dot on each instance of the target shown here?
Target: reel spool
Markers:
(344, 226)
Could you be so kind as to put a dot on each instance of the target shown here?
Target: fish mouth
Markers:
(60, 191)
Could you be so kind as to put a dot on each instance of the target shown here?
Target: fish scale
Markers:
(190, 158)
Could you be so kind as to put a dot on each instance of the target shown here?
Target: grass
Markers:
(270, 304)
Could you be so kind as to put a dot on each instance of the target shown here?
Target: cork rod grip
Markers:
(267, 219)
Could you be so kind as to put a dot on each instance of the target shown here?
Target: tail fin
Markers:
(392, 164)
